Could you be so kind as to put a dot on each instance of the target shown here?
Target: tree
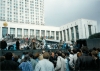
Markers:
(96, 35)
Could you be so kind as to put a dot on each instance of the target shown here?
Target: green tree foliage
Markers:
(96, 35)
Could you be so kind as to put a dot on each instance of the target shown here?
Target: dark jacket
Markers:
(53, 60)
(33, 45)
(85, 62)
(17, 45)
(97, 64)
(8, 65)
(3, 44)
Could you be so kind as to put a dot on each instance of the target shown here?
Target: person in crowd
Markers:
(36, 56)
(26, 64)
(53, 58)
(3, 44)
(60, 65)
(45, 64)
(33, 62)
(79, 53)
(33, 44)
(74, 56)
(23, 55)
(19, 58)
(2, 58)
(67, 61)
(97, 60)
(84, 62)
(15, 58)
(64, 45)
(98, 52)
(17, 44)
(71, 64)
(71, 46)
(8, 64)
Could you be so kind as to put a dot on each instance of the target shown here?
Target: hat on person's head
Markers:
(8, 56)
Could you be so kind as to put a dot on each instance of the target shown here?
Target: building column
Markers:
(40, 33)
(50, 33)
(55, 35)
(45, 34)
(16, 33)
(66, 36)
(8, 30)
(59, 36)
(23, 33)
(1, 32)
(74, 34)
(62, 36)
(70, 36)
(34, 33)
(28, 33)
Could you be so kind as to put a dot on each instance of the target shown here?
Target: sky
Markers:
(60, 12)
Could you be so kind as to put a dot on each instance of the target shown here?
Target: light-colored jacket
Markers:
(61, 64)
(44, 65)
(33, 62)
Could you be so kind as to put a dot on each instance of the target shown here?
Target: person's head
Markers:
(94, 48)
(84, 49)
(43, 52)
(94, 53)
(15, 58)
(2, 58)
(31, 55)
(46, 55)
(36, 55)
(8, 56)
(63, 55)
(74, 51)
(59, 53)
(67, 54)
(26, 58)
(52, 54)
(33, 40)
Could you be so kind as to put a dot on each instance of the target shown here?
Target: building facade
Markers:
(22, 11)
(29, 31)
(79, 29)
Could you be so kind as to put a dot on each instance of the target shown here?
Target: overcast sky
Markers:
(60, 12)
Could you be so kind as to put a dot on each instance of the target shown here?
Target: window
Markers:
(12, 31)
(77, 33)
(64, 35)
(26, 33)
(72, 33)
(57, 35)
(61, 35)
(68, 34)
(4, 31)
(89, 28)
(19, 32)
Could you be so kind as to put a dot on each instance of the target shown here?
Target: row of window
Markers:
(19, 32)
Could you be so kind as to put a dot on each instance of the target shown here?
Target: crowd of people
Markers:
(25, 44)
(83, 59)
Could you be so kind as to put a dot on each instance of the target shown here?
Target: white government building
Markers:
(79, 29)
(22, 11)
(25, 18)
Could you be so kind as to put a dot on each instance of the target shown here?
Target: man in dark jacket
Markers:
(33, 44)
(17, 44)
(8, 64)
(53, 59)
(3, 44)
(85, 62)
